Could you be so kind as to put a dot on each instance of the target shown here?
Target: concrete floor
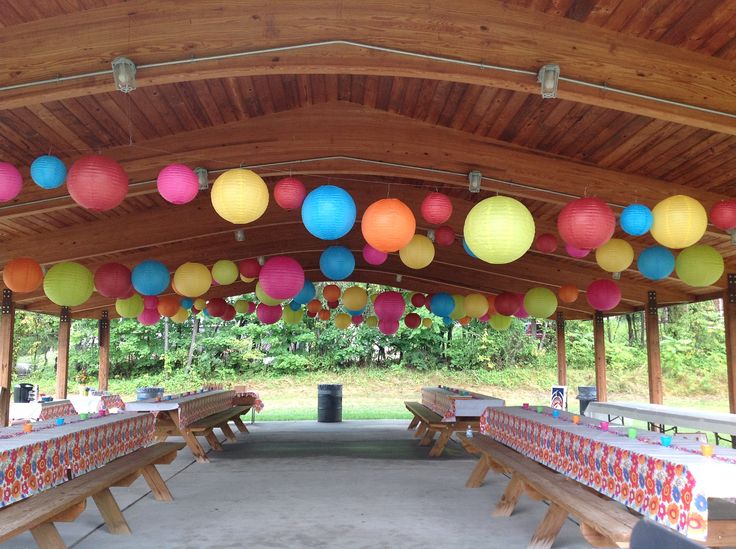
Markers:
(291, 485)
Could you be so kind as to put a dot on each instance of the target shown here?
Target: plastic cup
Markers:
(59, 421)
(707, 450)
(525, 406)
(666, 440)
(540, 409)
(603, 425)
(84, 415)
(555, 413)
(27, 427)
(576, 419)
(631, 432)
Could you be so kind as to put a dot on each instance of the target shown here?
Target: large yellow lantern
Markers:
(476, 305)
(192, 279)
(418, 253)
(699, 265)
(540, 302)
(679, 221)
(499, 229)
(355, 298)
(614, 256)
(342, 321)
(239, 196)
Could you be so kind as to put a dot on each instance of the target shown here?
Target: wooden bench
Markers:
(428, 423)
(64, 503)
(168, 425)
(603, 522)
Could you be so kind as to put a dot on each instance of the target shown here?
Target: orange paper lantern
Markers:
(568, 293)
(324, 314)
(314, 306)
(22, 275)
(331, 292)
(388, 225)
(168, 305)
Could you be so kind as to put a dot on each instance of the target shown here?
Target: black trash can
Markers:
(22, 392)
(329, 403)
(586, 395)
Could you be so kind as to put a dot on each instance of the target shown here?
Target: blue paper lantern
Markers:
(150, 277)
(353, 312)
(337, 263)
(467, 250)
(442, 304)
(306, 294)
(447, 320)
(294, 306)
(48, 172)
(328, 212)
(656, 263)
(636, 219)
(186, 303)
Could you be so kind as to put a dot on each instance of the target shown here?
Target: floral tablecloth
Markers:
(41, 411)
(248, 398)
(189, 408)
(667, 485)
(51, 454)
(452, 403)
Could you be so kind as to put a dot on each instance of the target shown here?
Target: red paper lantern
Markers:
(389, 306)
(249, 268)
(388, 327)
(216, 306)
(331, 292)
(229, 313)
(268, 314)
(603, 294)
(311, 314)
(412, 320)
(281, 277)
(723, 215)
(586, 223)
(150, 302)
(149, 317)
(546, 243)
(418, 300)
(251, 307)
(444, 236)
(357, 320)
(22, 275)
(333, 304)
(97, 183)
(289, 193)
(113, 280)
(436, 208)
(507, 303)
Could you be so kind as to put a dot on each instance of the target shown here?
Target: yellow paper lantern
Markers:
(427, 322)
(500, 322)
(200, 304)
(192, 279)
(131, 307)
(476, 305)
(241, 306)
(290, 316)
(699, 265)
(679, 221)
(181, 315)
(246, 279)
(614, 256)
(355, 298)
(342, 321)
(225, 272)
(418, 253)
(263, 297)
(239, 196)
(499, 229)
(459, 311)
(68, 284)
(371, 321)
(540, 302)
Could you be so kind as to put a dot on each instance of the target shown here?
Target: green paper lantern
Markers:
(263, 297)
(699, 265)
(540, 302)
(459, 311)
(131, 307)
(225, 272)
(290, 316)
(68, 284)
(500, 322)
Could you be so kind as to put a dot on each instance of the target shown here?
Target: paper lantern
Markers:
(521, 312)
(568, 293)
(168, 305)
(540, 302)
(464, 321)
(97, 183)
(447, 321)
(331, 292)
(468, 250)
(177, 184)
(417, 299)
(388, 327)
(436, 208)
(418, 253)
(192, 279)
(239, 196)
(337, 263)
(314, 306)
(149, 317)
(269, 314)
(355, 298)
(324, 314)
(342, 321)
(186, 303)
(389, 306)
(476, 305)
(444, 236)
(636, 219)
(388, 225)
(459, 310)
(413, 321)
(499, 229)
(699, 265)
(289, 193)
(263, 297)
(150, 302)
(546, 243)
(150, 277)
(113, 280)
(577, 253)
(11, 182)
(328, 212)
(306, 294)
(225, 272)
(484, 318)
(292, 316)
(249, 268)
(200, 304)
(427, 323)
(373, 256)
(500, 322)
(229, 313)
(216, 306)
(180, 316)
(491, 304)
(130, 307)
(371, 321)
(679, 222)
(241, 306)
(586, 223)
(357, 320)
(603, 295)
(68, 284)
(723, 215)
(442, 304)
(614, 256)
(22, 275)
(310, 314)
(281, 277)
(507, 303)
(656, 263)
(48, 172)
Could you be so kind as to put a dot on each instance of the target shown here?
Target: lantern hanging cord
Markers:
(382, 49)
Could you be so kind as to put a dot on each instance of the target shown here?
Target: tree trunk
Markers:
(166, 335)
(630, 326)
(195, 329)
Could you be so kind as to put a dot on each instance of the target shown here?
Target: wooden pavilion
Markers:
(384, 99)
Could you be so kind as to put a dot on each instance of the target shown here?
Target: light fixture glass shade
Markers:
(548, 78)
(123, 71)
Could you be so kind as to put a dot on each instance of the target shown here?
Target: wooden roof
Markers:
(383, 98)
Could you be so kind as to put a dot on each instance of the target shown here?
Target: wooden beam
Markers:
(7, 328)
(483, 31)
(599, 344)
(561, 349)
(729, 317)
(62, 360)
(104, 341)
(654, 357)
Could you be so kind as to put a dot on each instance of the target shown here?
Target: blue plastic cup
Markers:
(666, 440)
(59, 421)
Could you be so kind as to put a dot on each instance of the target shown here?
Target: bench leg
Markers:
(510, 497)
(240, 425)
(476, 478)
(156, 483)
(548, 529)
(428, 438)
(595, 538)
(214, 442)
(439, 446)
(228, 432)
(47, 536)
(421, 430)
(414, 423)
(199, 454)
(110, 511)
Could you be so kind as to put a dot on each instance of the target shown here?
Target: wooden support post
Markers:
(104, 339)
(561, 350)
(599, 342)
(7, 326)
(729, 317)
(654, 358)
(62, 361)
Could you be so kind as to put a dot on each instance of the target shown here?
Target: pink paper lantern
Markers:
(507, 303)
(97, 183)
(412, 320)
(281, 277)
(577, 253)
(249, 268)
(546, 243)
(388, 327)
(11, 182)
(150, 302)
(269, 314)
(251, 307)
(373, 256)
(113, 280)
(586, 223)
(216, 306)
(149, 317)
(485, 318)
(521, 312)
(389, 306)
(418, 300)
(444, 236)
(289, 193)
(603, 294)
(357, 320)
(177, 184)
(436, 208)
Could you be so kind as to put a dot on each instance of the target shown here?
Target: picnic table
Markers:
(41, 410)
(452, 403)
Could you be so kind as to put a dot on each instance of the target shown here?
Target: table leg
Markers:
(214, 442)
(476, 478)
(228, 432)
(428, 438)
(199, 454)
(252, 416)
(414, 423)
(421, 429)
(47, 536)
(240, 425)
(439, 446)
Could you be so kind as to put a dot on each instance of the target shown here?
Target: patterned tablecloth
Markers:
(668, 485)
(189, 408)
(248, 398)
(50, 454)
(41, 411)
(452, 403)
(91, 404)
